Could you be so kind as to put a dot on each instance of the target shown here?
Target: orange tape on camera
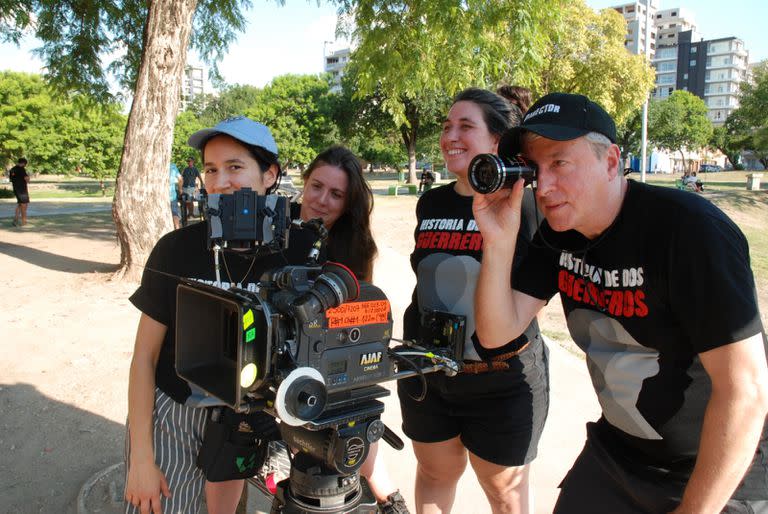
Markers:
(358, 313)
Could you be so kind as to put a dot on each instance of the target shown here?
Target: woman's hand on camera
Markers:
(498, 215)
(144, 485)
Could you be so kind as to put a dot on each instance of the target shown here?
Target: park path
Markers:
(53, 207)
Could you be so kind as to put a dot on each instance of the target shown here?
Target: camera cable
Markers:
(417, 370)
(449, 366)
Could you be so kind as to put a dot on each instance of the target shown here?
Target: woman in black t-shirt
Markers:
(165, 430)
(492, 413)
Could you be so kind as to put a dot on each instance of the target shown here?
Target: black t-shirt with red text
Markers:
(669, 279)
(446, 260)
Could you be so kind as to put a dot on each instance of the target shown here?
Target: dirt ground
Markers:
(66, 339)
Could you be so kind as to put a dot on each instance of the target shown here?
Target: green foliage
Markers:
(57, 134)
(365, 127)
(79, 38)
(587, 56)
(747, 126)
(431, 48)
(727, 144)
(629, 134)
(679, 122)
(186, 125)
(232, 101)
(14, 18)
(296, 108)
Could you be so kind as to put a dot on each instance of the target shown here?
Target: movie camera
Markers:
(310, 347)
(489, 172)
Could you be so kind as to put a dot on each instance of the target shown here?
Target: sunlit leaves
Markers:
(57, 133)
(679, 122)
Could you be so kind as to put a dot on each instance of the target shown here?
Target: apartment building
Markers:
(635, 14)
(335, 62)
(192, 84)
(670, 22)
(710, 69)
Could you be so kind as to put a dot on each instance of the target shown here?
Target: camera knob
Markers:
(375, 431)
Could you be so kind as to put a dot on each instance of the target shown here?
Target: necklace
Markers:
(226, 267)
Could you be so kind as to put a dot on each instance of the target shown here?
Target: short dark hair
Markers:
(262, 156)
(22, 160)
(517, 95)
(499, 115)
(350, 240)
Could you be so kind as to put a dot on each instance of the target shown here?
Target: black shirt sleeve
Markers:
(153, 295)
(535, 274)
(712, 289)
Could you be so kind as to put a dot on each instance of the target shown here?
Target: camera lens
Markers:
(334, 286)
(489, 173)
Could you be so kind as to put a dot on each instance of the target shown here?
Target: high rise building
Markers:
(635, 14)
(710, 69)
(334, 63)
(670, 22)
(192, 84)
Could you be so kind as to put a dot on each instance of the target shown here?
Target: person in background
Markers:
(517, 95)
(491, 415)
(191, 181)
(427, 179)
(175, 186)
(336, 192)
(19, 180)
(681, 378)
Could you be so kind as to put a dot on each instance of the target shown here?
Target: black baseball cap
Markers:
(562, 117)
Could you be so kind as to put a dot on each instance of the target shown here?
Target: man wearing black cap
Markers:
(657, 290)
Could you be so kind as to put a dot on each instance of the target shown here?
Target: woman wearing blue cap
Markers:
(165, 429)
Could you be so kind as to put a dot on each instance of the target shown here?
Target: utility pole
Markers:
(644, 124)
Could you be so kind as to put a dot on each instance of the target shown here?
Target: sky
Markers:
(292, 38)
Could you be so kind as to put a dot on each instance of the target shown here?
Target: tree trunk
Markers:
(141, 208)
(409, 133)
(682, 156)
(410, 148)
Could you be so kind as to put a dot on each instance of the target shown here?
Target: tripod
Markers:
(324, 476)
(312, 488)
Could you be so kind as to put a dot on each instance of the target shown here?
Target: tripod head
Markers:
(324, 476)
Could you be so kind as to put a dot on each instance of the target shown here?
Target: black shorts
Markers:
(608, 487)
(21, 196)
(498, 415)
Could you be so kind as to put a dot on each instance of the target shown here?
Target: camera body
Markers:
(311, 345)
(241, 346)
(489, 173)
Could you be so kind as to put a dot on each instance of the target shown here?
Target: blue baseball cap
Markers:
(241, 128)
